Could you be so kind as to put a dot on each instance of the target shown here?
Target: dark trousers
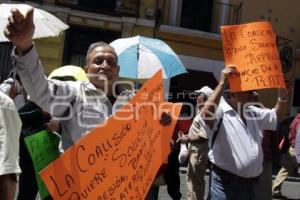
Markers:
(172, 176)
(27, 183)
(227, 186)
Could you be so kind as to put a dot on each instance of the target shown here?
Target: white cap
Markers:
(205, 90)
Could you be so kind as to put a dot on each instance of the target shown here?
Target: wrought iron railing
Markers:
(224, 14)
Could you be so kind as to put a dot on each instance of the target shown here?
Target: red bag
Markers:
(284, 145)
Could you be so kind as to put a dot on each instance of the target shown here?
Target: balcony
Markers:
(224, 14)
(208, 15)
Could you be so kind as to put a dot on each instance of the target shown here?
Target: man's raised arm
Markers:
(44, 93)
(210, 106)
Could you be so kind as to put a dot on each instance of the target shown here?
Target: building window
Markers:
(75, 52)
(204, 15)
(196, 14)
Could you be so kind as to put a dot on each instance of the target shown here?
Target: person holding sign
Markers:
(10, 127)
(235, 140)
(80, 106)
(76, 103)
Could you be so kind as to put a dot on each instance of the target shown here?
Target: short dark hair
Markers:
(98, 44)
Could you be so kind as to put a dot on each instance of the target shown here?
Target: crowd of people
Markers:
(230, 134)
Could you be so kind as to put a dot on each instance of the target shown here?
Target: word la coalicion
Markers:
(86, 160)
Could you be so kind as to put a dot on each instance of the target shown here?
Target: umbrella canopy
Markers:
(46, 25)
(140, 57)
(68, 72)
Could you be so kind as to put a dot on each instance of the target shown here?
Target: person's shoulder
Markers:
(69, 83)
(257, 109)
(6, 101)
(223, 106)
(8, 81)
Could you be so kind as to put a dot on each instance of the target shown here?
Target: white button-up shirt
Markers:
(10, 128)
(237, 146)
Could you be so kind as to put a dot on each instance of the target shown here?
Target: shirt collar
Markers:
(118, 89)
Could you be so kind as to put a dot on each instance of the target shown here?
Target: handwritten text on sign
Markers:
(252, 49)
(118, 160)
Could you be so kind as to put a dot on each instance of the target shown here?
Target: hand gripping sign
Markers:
(252, 49)
(118, 160)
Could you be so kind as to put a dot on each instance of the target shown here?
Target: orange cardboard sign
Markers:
(118, 160)
(252, 49)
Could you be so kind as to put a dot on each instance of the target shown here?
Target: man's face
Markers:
(201, 98)
(241, 97)
(101, 65)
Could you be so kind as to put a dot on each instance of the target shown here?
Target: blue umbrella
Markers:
(141, 57)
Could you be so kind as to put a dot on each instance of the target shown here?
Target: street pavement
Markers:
(290, 188)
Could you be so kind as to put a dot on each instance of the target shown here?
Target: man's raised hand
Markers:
(227, 71)
(20, 29)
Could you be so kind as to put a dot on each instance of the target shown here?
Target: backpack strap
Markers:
(211, 147)
(216, 133)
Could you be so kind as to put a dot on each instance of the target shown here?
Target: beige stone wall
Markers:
(142, 30)
(192, 43)
(283, 15)
(202, 50)
(51, 52)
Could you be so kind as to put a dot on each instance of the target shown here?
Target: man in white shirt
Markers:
(235, 140)
(10, 127)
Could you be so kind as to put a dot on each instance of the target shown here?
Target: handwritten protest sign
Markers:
(43, 149)
(118, 160)
(252, 49)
